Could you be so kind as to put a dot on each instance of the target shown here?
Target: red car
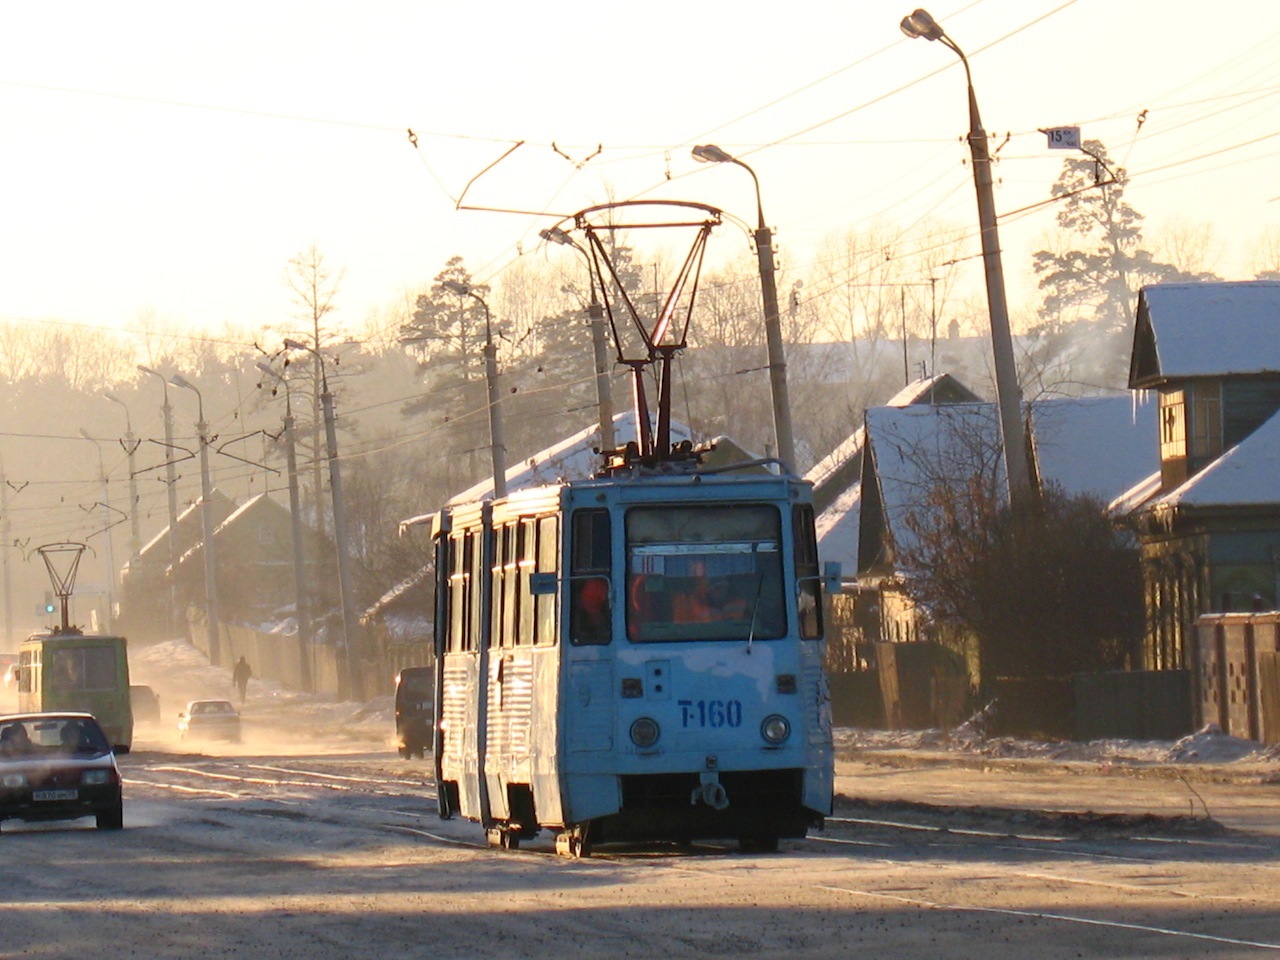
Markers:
(58, 766)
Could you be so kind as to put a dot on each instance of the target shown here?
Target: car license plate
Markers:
(39, 795)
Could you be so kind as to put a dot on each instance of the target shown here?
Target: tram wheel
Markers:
(575, 842)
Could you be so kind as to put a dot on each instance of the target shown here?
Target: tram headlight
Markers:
(775, 728)
(645, 732)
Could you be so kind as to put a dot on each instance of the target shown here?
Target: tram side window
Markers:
(28, 663)
(443, 588)
(809, 586)
(505, 587)
(589, 584)
(500, 594)
(475, 607)
(526, 559)
(459, 593)
(548, 562)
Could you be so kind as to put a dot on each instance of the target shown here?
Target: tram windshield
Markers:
(704, 573)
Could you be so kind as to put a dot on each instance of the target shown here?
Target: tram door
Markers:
(594, 622)
(522, 693)
(461, 688)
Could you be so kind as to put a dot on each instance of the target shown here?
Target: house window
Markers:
(1206, 421)
(1173, 425)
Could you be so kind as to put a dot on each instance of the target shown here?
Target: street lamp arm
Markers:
(178, 380)
(128, 421)
(1008, 393)
(710, 153)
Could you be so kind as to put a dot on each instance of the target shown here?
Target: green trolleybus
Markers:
(69, 670)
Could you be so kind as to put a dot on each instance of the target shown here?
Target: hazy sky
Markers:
(170, 159)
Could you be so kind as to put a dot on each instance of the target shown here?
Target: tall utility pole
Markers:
(171, 483)
(497, 446)
(206, 517)
(1008, 393)
(110, 583)
(301, 606)
(710, 153)
(595, 316)
(7, 535)
(130, 448)
(350, 628)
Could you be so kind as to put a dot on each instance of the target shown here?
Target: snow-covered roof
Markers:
(943, 388)
(1205, 329)
(188, 527)
(837, 530)
(571, 459)
(398, 591)
(1137, 495)
(1100, 445)
(253, 503)
(915, 447)
(1246, 475)
(574, 458)
(840, 470)
(1097, 445)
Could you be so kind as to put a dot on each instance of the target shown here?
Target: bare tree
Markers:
(1193, 249)
(314, 290)
(1264, 262)
(1046, 591)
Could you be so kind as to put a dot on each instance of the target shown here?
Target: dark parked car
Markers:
(58, 766)
(209, 720)
(414, 710)
(145, 704)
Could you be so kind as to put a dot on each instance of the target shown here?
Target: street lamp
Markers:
(497, 449)
(206, 517)
(171, 483)
(1008, 394)
(106, 530)
(131, 447)
(783, 437)
(300, 606)
(355, 683)
(595, 314)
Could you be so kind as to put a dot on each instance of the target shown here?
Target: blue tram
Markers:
(638, 655)
(634, 657)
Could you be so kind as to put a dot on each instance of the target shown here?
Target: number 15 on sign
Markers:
(1063, 138)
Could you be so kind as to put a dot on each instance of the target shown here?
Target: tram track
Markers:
(918, 842)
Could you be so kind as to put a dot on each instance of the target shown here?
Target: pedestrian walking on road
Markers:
(240, 676)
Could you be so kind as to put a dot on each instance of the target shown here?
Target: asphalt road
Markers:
(241, 853)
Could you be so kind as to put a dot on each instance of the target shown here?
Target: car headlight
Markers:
(645, 732)
(15, 780)
(95, 777)
(775, 728)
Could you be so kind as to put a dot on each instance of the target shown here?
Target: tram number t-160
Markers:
(710, 713)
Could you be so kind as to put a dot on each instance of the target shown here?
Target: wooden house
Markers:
(1210, 522)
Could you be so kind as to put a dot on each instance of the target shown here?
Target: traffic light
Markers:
(49, 605)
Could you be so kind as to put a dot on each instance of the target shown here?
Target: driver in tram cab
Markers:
(710, 601)
(591, 615)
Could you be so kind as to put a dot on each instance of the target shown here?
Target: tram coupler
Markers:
(710, 791)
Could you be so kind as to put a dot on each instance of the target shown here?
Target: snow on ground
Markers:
(1209, 746)
(288, 721)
